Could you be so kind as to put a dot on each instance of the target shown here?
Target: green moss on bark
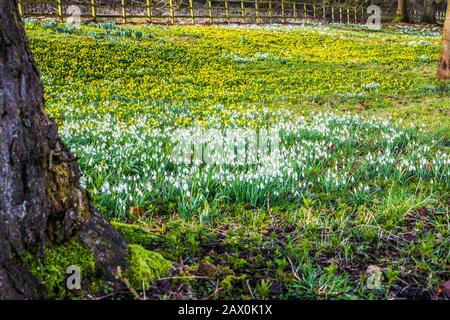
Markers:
(145, 266)
(51, 269)
(135, 234)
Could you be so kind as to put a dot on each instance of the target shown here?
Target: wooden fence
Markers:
(416, 15)
(200, 12)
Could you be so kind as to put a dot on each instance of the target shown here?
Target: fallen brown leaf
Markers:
(137, 212)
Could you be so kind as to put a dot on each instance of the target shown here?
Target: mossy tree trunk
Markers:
(429, 11)
(444, 62)
(41, 200)
(402, 11)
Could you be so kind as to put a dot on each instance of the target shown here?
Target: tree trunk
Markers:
(41, 200)
(444, 62)
(402, 11)
(429, 11)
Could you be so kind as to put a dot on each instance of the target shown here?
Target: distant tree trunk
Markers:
(444, 62)
(429, 11)
(41, 200)
(402, 11)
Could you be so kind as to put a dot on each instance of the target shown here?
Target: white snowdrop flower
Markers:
(106, 188)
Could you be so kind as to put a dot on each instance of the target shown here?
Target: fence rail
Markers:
(205, 11)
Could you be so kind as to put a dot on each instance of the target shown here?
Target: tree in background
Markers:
(429, 11)
(42, 204)
(444, 61)
(401, 14)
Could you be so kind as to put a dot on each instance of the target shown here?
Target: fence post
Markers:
(270, 12)
(282, 11)
(294, 7)
(356, 16)
(348, 15)
(340, 14)
(59, 5)
(314, 12)
(124, 14)
(172, 14)
(93, 11)
(324, 13)
(210, 11)
(149, 10)
(191, 8)
(257, 11)
(332, 14)
(20, 8)
(227, 12)
(243, 9)
(304, 11)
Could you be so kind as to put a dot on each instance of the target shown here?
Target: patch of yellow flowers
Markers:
(220, 69)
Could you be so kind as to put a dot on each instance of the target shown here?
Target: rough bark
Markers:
(41, 200)
(444, 61)
(429, 11)
(402, 11)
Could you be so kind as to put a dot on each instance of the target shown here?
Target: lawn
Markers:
(355, 201)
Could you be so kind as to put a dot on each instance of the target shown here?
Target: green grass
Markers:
(362, 184)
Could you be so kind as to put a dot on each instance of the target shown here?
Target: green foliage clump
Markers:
(135, 234)
(230, 281)
(51, 269)
(145, 266)
(400, 18)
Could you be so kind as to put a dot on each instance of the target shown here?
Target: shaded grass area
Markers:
(308, 251)
(112, 88)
